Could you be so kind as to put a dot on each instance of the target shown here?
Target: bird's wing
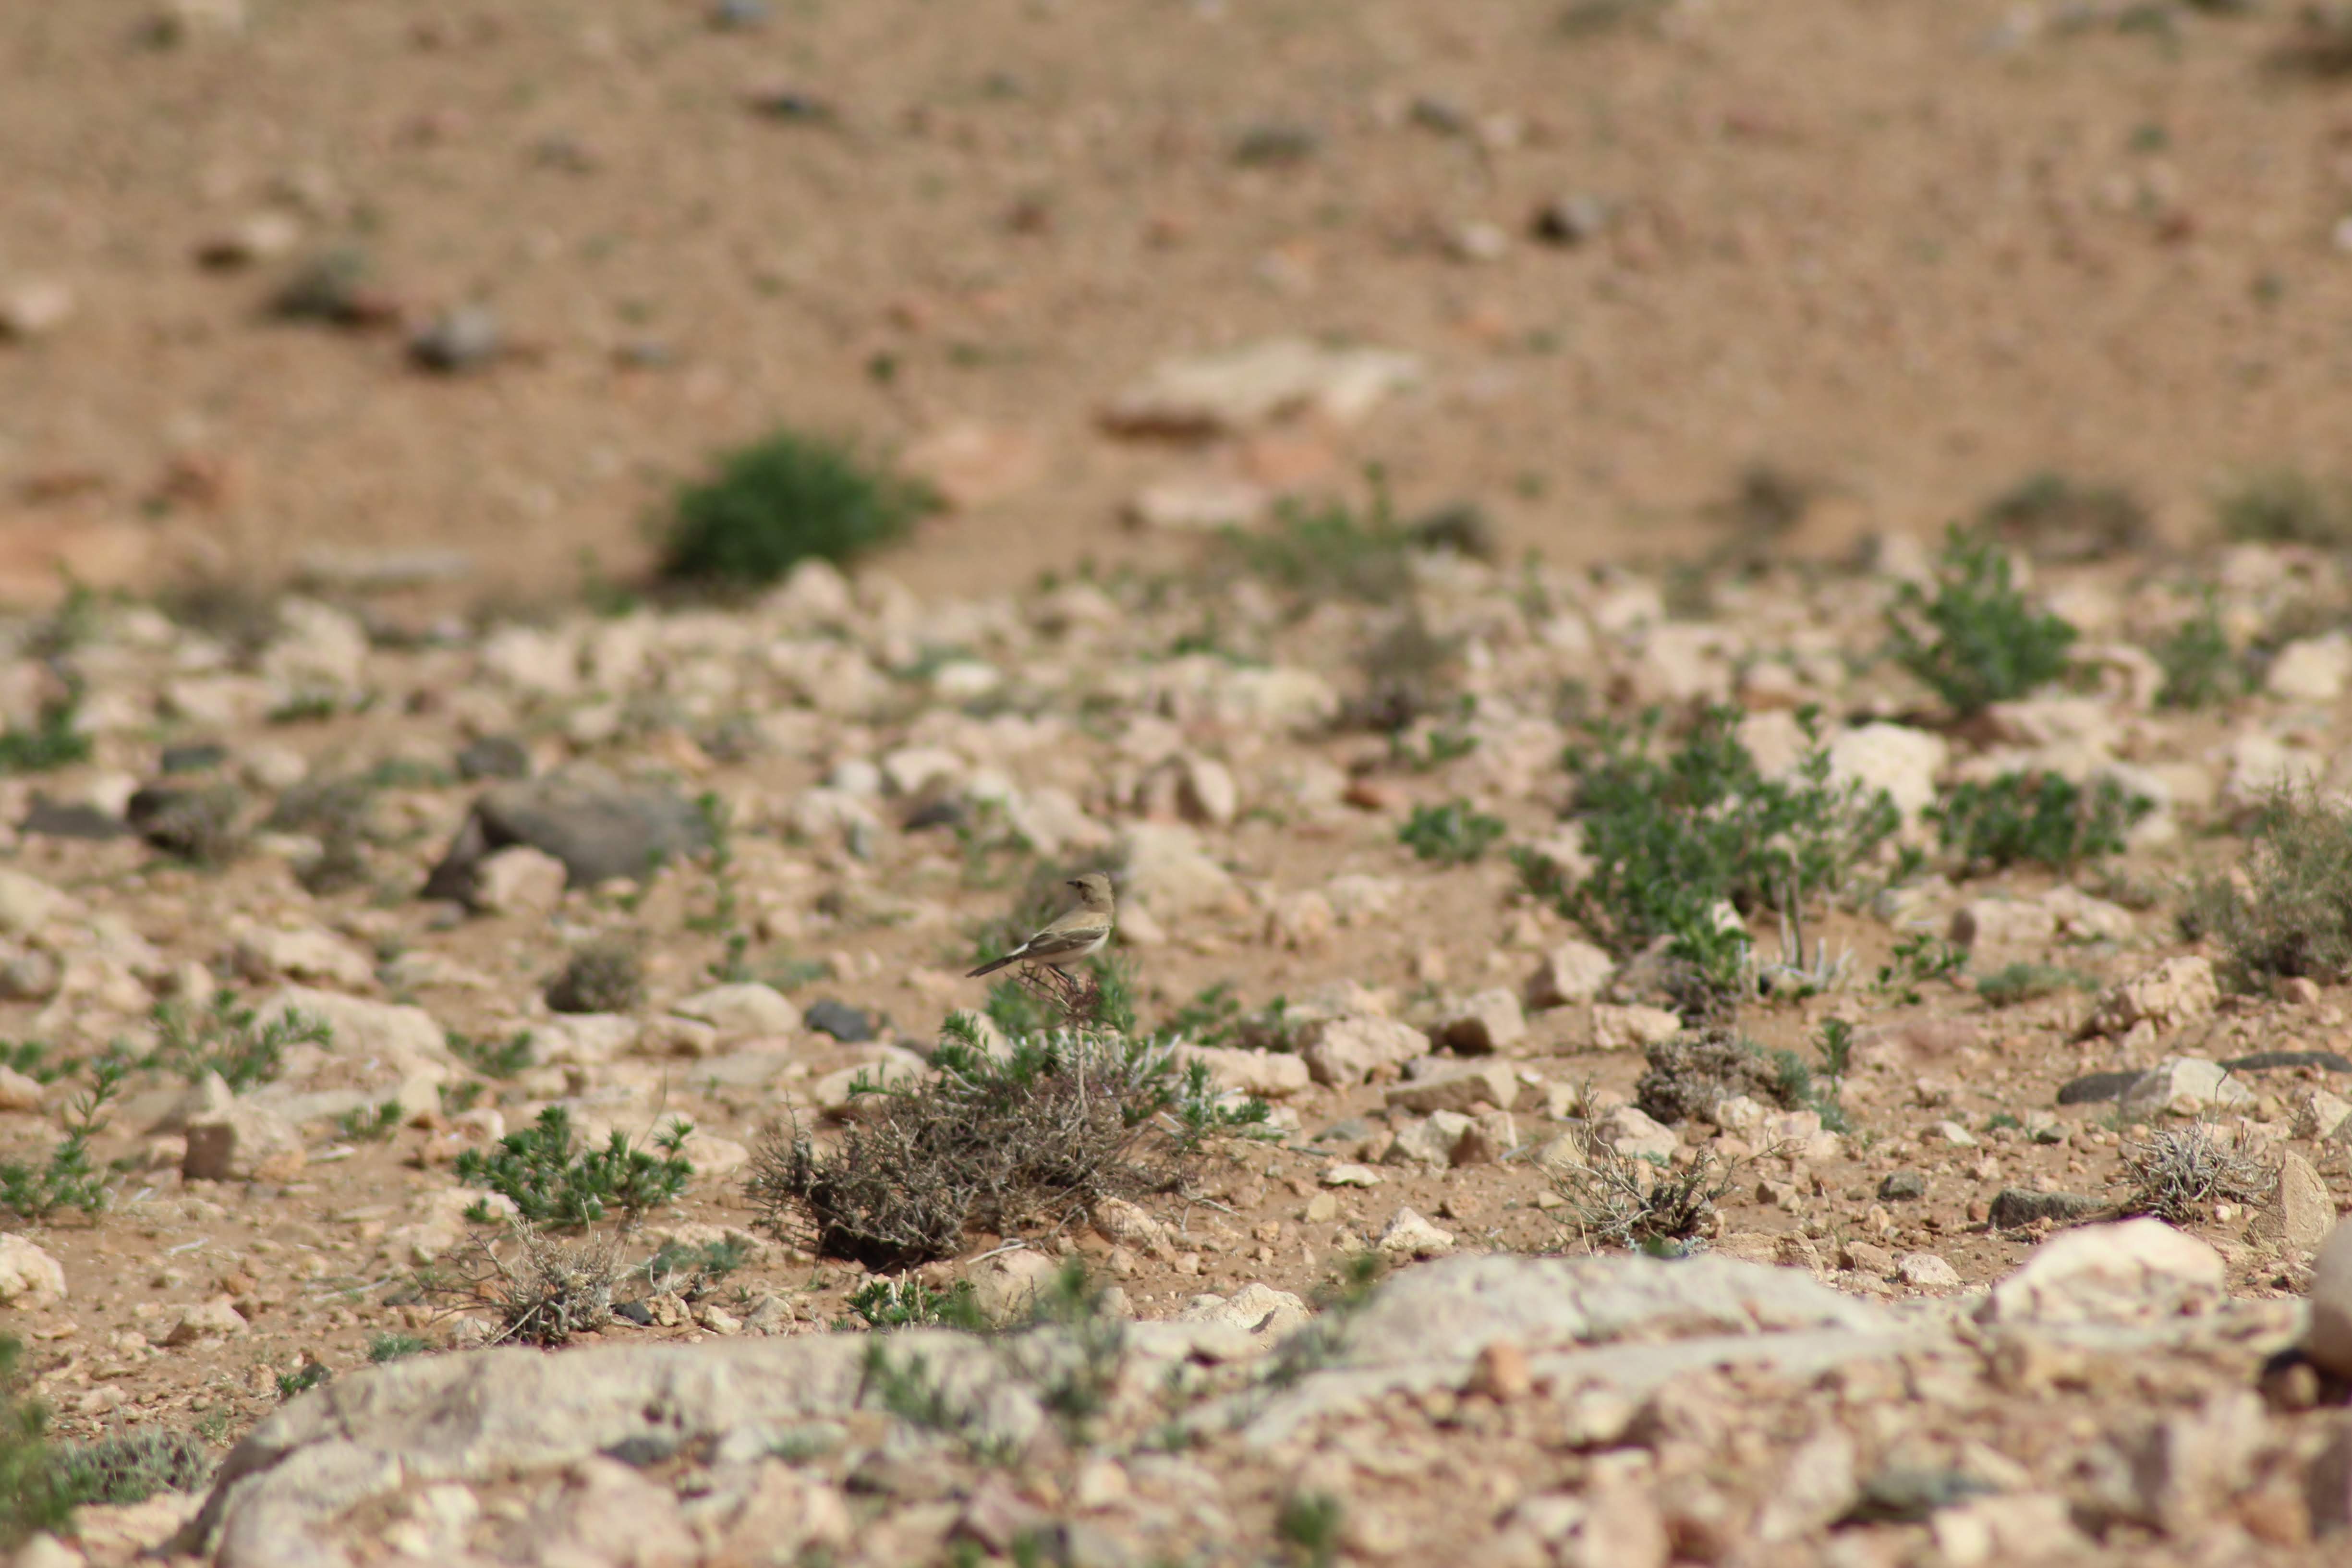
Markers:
(1054, 941)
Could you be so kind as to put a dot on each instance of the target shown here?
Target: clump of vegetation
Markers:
(303, 1379)
(2014, 983)
(551, 1179)
(195, 826)
(2180, 1173)
(905, 1303)
(389, 1347)
(2058, 519)
(67, 1179)
(1673, 837)
(1920, 959)
(1213, 1017)
(55, 741)
(2294, 916)
(128, 1466)
(492, 1058)
(1031, 1136)
(335, 811)
(229, 1038)
(2036, 817)
(603, 975)
(1451, 835)
(789, 498)
(2200, 668)
(1408, 672)
(1638, 1203)
(370, 1124)
(1331, 551)
(544, 1294)
(2286, 505)
(29, 1501)
(694, 1272)
(1976, 641)
(1692, 1074)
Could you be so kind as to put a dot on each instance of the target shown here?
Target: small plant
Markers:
(1673, 837)
(1691, 1075)
(229, 1038)
(32, 1058)
(370, 1125)
(29, 1499)
(491, 1058)
(1836, 1041)
(1799, 1086)
(1330, 551)
(2200, 668)
(389, 1347)
(545, 1294)
(694, 1272)
(55, 741)
(2294, 917)
(1213, 1017)
(1450, 835)
(1337, 1300)
(604, 976)
(1636, 1203)
(302, 1379)
(1408, 672)
(2283, 506)
(1977, 641)
(1034, 1134)
(551, 1180)
(1713, 970)
(1920, 959)
(68, 1179)
(2059, 518)
(1078, 1371)
(2014, 983)
(909, 1390)
(718, 859)
(128, 1466)
(2179, 1173)
(1309, 1524)
(786, 499)
(2038, 818)
(904, 1303)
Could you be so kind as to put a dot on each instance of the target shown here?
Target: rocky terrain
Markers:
(1821, 1251)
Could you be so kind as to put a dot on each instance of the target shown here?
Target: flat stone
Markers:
(1903, 1186)
(839, 1019)
(2017, 1207)
(2328, 1339)
(1355, 1048)
(2093, 1088)
(2265, 1062)
(28, 1277)
(598, 826)
(1494, 1084)
(2135, 1270)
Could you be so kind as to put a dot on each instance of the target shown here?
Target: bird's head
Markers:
(1094, 888)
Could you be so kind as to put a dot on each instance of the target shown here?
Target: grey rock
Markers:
(464, 339)
(50, 819)
(2092, 1088)
(494, 757)
(2018, 1207)
(2265, 1062)
(839, 1019)
(194, 758)
(1901, 1185)
(596, 824)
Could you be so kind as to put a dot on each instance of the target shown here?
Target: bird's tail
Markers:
(992, 968)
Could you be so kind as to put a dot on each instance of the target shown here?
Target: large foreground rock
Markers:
(599, 825)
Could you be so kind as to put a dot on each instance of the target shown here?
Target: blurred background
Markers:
(447, 301)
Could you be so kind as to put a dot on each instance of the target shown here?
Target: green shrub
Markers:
(2058, 519)
(1329, 551)
(2295, 918)
(785, 500)
(886, 1303)
(54, 742)
(551, 1180)
(67, 1179)
(1672, 837)
(2039, 817)
(2200, 668)
(2014, 984)
(603, 975)
(1452, 834)
(383, 1348)
(2285, 506)
(229, 1038)
(1035, 1134)
(1977, 641)
(492, 1057)
(1213, 1017)
(130, 1467)
(29, 1499)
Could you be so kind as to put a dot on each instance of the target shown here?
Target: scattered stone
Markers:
(494, 757)
(2269, 1061)
(2017, 1207)
(1483, 1025)
(464, 339)
(1408, 1235)
(1269, 1075)
(2300, 1211)
(519, 880)
(600, 827)
(29, 1278)
(1903, 1187)
(18, 1092)
(2130, 1272)
(1237, 389)
(2094, 1089)
(1572, 972)
(1635, 1135)
(2328, 1340)
(1571, 220)
(838, 1019)
(2176, 992)
(1493, 1085)
(1903, 761)
(243, 1143)
(2187, 1086)
(217, 1319)
(1355, 1048)
(744, 1011)
(307, 954)
(1350, 1175)
(1632, 1028)
(1926, 1271)
(34, 309)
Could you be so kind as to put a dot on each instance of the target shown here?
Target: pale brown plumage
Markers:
(1071, 938)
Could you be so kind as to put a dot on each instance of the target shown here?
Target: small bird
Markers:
(1073, 937)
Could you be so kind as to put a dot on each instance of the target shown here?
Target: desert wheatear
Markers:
(1072, 937)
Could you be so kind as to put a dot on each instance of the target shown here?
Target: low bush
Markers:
(1976, 641)
(2179, 1173)
(130, 1467)
(1031, 1135)
(553, 1180)
(783, 500)
(542, 1292)
(1451, 835)
(2054, 518)
(2286, 505)
(229, 1038)
(1672, 837)
(2036, 817)
(603, 975)
(2014, 984)
(2200, 669)
(2292, 915)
